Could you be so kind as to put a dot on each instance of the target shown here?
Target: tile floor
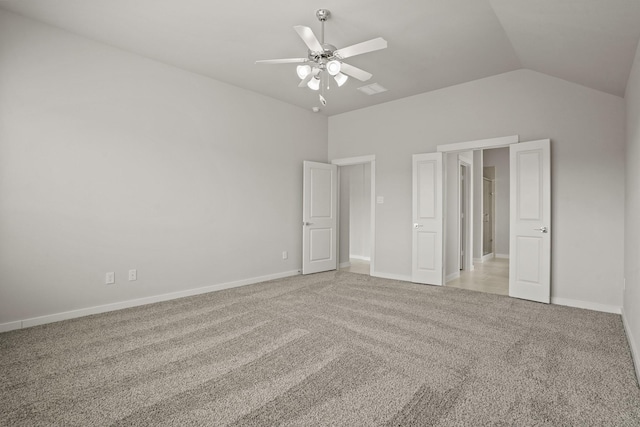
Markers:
(491, 276)
(357, 266)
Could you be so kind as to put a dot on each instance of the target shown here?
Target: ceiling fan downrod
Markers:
(322, 15)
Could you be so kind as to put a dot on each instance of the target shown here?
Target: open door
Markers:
(530, 225)
(427, 250)
(319, 217)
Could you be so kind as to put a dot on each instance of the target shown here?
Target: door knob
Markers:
(307, 223)
(416, 225)
(542, 229)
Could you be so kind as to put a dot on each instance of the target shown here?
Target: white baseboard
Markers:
(359, 257)
(391, 276)
(50, 318)
(503, 256)
(635, 351)
(452, 276)
(6, 327)
(344, 264)
(586, 304)
(484, 258)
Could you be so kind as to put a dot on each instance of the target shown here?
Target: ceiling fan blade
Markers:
(360, 48)
(304, 81)
(282, 61)
(308, 38)
(355, 72)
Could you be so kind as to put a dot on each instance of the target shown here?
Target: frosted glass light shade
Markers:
(303, 71)
(314, 84)
(333, 67)
(341, 79)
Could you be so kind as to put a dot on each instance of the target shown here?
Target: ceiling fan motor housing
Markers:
(325, 56)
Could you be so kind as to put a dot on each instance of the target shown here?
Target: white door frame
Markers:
(360, 160)
(491, 254)
(467, 244)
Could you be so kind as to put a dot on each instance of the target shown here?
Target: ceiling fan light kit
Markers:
(314, 83)
(303, 71)
(325, 60)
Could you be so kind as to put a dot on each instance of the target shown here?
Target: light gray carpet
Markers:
(327, 349)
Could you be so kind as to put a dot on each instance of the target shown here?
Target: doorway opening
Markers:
(356, 214)
(528, 241)
(482, 211)
(355, 218)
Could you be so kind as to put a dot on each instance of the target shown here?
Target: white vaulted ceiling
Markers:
(432, 43)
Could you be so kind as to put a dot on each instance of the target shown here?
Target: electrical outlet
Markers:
(285, 255)
(110, 278)
(133, 275)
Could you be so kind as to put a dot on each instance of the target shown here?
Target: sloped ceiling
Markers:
(432, 43)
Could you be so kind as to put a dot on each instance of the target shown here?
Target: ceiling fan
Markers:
(324, 60)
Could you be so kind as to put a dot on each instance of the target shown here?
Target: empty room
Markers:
(411, 213)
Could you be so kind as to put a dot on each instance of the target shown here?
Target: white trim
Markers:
(452, 276)
(392, 276)
(50, 318)
(348, 161)
(480, 144)
(484, 258)
(344, 265)
(467, 246)
(503, 256)
(372, 233)
(359, 257)
(10, 326)
(635, 351)
(587, 305)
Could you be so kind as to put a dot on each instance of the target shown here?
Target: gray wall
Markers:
(110, 161)
(632, 213)
(587, 132)
(499, 158)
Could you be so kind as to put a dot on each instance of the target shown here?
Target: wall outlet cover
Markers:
(110, 278)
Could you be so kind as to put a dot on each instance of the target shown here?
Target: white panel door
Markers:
(427, 225)
(319, 217)
(530, 221)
